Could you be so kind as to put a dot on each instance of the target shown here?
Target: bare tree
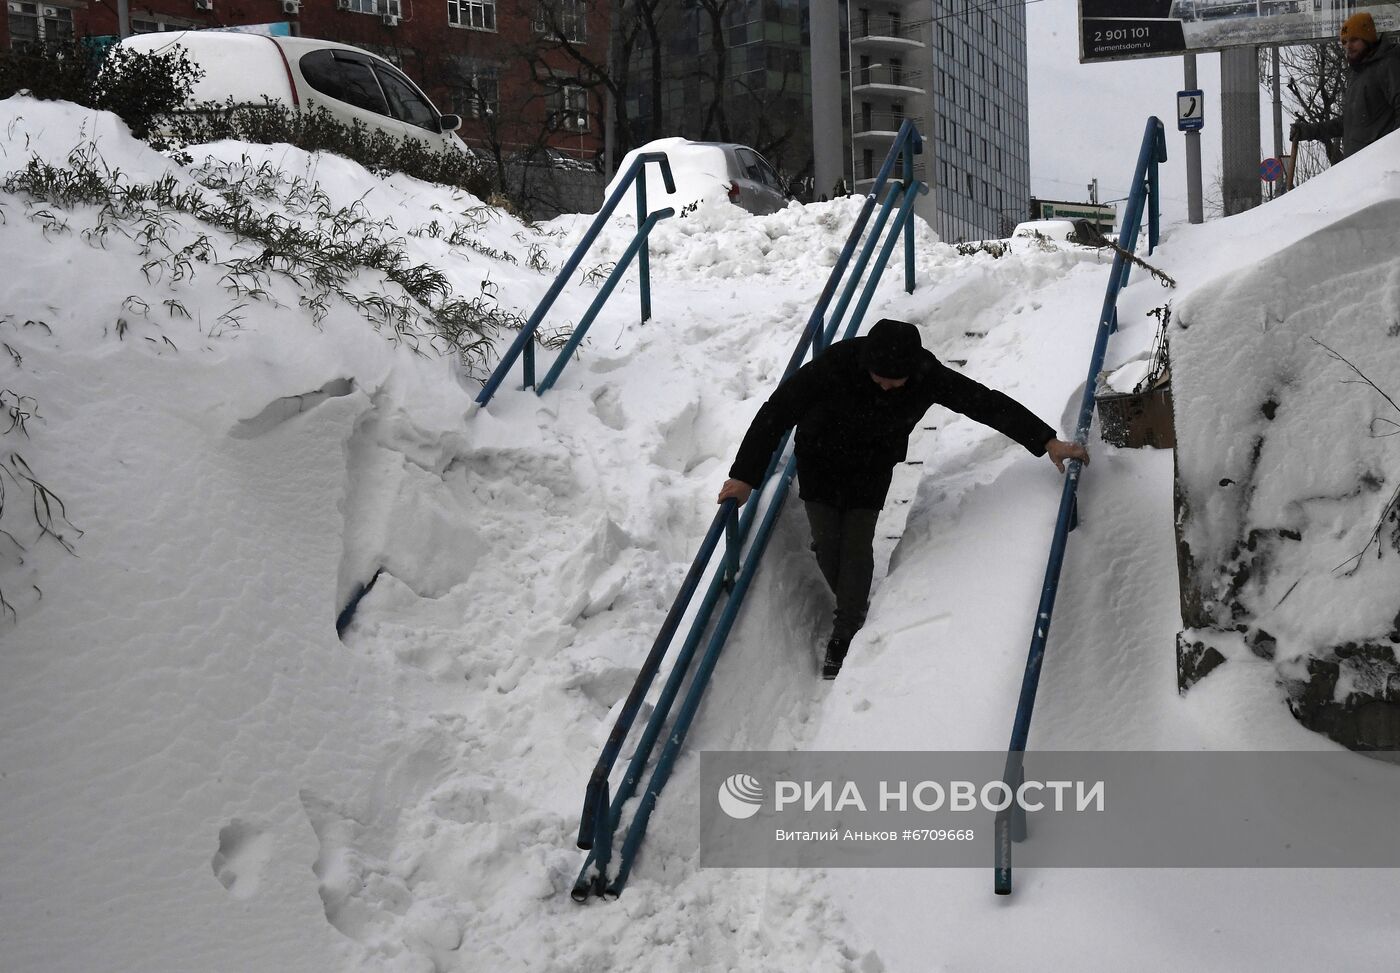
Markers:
(562, 55)
(1314, 80)
(716, 71)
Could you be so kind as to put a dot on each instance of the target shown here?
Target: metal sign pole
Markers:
(1278, 186)
(1194, 208)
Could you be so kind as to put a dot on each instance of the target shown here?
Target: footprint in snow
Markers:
(244, 851)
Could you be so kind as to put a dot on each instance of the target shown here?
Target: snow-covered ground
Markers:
(197, 774)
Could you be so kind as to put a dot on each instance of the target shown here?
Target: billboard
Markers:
(1102, 216)
(1111, 30)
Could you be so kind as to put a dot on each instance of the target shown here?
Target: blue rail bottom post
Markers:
(1001, 835)
(731, 551)
(1018, 812)
(1007, 828)
(594, 876)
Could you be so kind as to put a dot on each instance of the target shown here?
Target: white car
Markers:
(352, 84)
(707, 170)
(1069, 231)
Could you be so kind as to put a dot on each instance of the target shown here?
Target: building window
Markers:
(472, 14)
(157, 25)
(477, 94)
(391, 7)
(34, 25)
(569, 109)
(563, 19)
(139, 26)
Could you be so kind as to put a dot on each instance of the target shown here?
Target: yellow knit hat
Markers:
(1359, 25)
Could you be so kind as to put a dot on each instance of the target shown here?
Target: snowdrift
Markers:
(198, 774)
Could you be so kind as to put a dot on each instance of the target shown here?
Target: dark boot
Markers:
(836, 651)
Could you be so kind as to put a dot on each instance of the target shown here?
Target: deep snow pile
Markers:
(198, 774)
(1287, 458)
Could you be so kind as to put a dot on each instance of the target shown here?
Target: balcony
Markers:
(886, 33)
(883, 78)
(877, 124)
(865, 178)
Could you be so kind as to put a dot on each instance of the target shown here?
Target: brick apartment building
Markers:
(504, 65)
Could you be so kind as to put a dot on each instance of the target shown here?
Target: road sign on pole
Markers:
(1271, 170)
(1190, 110)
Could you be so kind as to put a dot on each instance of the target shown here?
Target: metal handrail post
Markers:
(706, 668)
(666, 699)
(906, 209)
(644, 262)
(1153, 149)
(638, 245)
(858, 271)
(599, 780)
(909, 226)
(907, 132)
(527, 333)
(731, 551)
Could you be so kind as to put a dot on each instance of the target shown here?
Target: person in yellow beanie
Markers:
(1371, 108)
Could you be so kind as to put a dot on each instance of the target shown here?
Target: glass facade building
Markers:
(980, 126)
(957, 68)
(734, 72)
(822, 86)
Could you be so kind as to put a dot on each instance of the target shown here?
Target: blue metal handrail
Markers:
(524, 341)
(907, 144)
(1010, 823)
(638, 244)
(601, 817)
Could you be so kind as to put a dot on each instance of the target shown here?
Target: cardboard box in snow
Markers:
(1136, 418)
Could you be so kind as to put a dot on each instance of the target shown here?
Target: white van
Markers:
(352, 84)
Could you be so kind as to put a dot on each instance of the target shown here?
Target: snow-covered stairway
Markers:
(731, 573)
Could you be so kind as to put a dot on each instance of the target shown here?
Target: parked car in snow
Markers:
(706, 170)
(1070, 231)
(352, 84)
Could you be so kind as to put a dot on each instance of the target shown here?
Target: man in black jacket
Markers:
(1371, 109)
(854, 408)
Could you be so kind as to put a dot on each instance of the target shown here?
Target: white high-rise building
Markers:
(958, 69)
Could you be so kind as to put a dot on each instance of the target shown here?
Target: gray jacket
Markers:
(1371, 109)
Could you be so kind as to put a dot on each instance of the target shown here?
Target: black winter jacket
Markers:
(1371, 108)
(851, 433)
